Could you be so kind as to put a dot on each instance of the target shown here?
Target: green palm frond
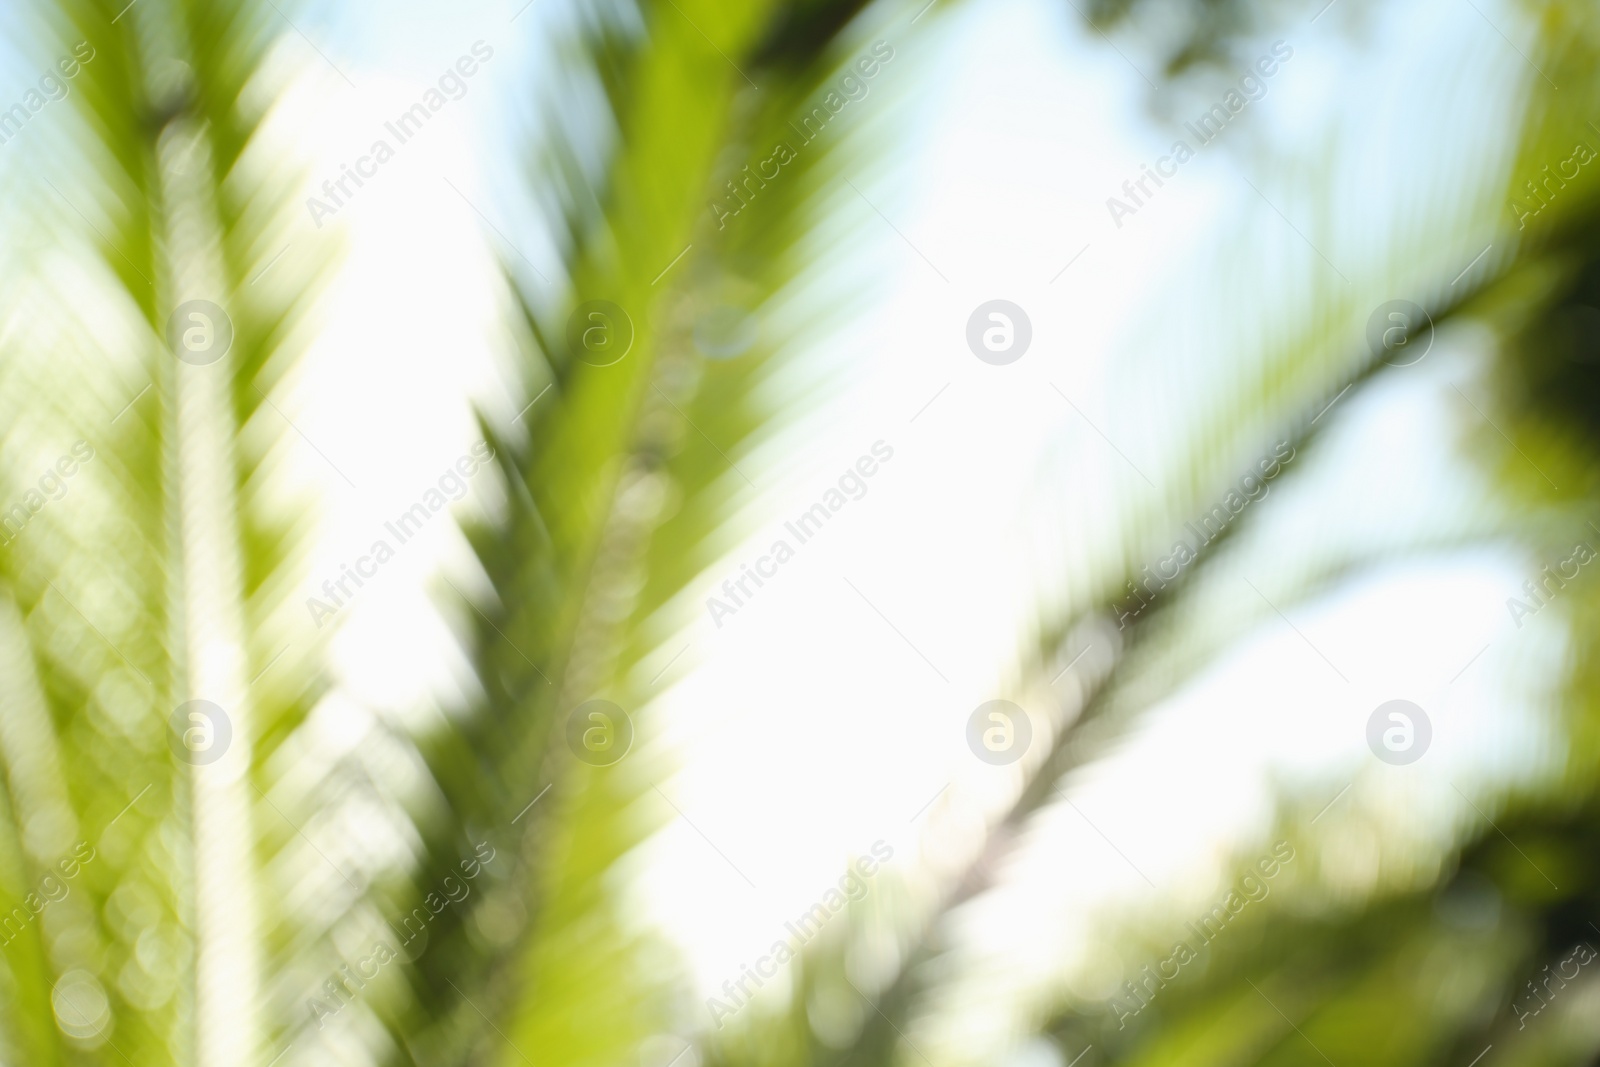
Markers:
(1367, 981)
(161, 575)
(620, 477)
(1298, 356)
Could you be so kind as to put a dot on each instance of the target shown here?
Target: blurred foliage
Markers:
(162, 571)
(1488, 947)
(618, 484)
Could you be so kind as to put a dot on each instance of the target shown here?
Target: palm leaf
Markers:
(619, 479)
(1303, 358)
(161, 577)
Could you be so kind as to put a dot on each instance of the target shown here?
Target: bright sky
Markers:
(832, 709)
